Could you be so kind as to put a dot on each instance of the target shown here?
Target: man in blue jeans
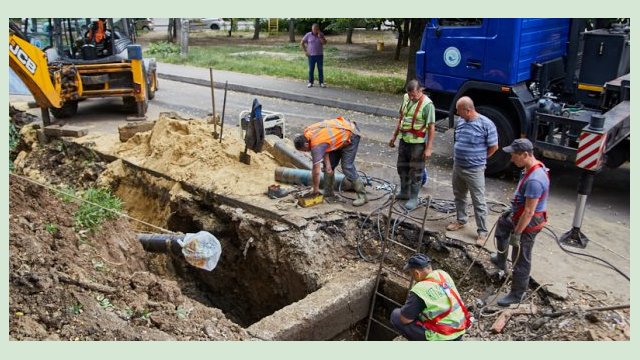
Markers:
(311, 44)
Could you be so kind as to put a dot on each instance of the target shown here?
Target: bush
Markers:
(89, 216)
(163, 48)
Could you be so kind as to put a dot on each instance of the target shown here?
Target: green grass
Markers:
(51, 228)
(342, 68)
(90, 216)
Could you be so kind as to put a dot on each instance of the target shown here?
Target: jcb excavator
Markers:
(64, 61)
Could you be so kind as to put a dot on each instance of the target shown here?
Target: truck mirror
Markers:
(438, 31)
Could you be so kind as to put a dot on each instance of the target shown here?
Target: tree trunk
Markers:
(256, 29)
(405, 37)
(415, 37)
(171, 29)
(292, 31)
(396, 57)
(349, 35)
(231, 26)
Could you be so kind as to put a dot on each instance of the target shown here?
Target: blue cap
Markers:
(417, 261)
(519, 145)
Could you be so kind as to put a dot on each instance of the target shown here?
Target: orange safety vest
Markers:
(98, 33)
(334, 132)
(434, 324)
(520, 210)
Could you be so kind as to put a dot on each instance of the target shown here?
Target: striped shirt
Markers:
(471, 141)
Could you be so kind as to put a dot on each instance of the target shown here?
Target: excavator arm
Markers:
(30, 64)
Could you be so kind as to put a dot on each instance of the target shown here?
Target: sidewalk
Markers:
(293, 90)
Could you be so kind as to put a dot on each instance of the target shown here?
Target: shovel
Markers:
(244, 157)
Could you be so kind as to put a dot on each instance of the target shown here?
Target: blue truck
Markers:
(547, 79)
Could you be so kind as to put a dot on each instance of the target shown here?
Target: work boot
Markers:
(329, 181)
(510, 298)
(499, 260)
(358, 187)
(404, 190)
(413, 197)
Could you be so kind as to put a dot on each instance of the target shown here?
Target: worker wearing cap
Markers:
(331, 142)
(528, 215)
(433, 310)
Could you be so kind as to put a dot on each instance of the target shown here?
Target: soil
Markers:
(69, 285)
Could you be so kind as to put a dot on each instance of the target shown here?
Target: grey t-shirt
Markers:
(412, 307)
(317, 152)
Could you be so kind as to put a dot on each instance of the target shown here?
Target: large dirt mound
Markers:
(73, 285)
(187, 151)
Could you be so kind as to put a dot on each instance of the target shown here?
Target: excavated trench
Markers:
(268, 269)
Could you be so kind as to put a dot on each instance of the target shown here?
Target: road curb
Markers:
(367, 109)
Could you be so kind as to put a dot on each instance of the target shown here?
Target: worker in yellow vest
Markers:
(416, 127)
(332, 142)
(433, 310)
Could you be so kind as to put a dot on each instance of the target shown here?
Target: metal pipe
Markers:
(301, 177)
(161, 243)
(298, 160)
(578, 215)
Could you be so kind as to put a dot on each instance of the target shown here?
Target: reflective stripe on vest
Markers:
(418, 110)
(518, 213)
(435, 323)
(334, 132)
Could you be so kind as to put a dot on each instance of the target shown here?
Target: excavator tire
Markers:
(67, 110)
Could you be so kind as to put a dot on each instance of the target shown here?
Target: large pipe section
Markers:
(281, 150)
(304, 177)
(161, 243)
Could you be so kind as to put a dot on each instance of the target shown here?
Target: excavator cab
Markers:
(66, 60)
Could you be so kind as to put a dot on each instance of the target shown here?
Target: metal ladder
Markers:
(386, 241)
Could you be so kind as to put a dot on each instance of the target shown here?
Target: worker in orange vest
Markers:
(331, 142)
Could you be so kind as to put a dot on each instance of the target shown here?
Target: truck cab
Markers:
(516, 69)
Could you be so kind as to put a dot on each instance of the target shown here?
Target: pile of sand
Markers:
(187, 151)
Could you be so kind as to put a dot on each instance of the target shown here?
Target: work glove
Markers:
(514, 240)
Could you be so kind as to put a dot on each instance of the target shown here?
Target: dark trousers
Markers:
(346, 156)
(410, 162)
(411, 331)
(313, 61)
(520, 257)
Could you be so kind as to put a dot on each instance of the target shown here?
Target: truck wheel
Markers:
(500, 161)
(152, 86)
(67, 110)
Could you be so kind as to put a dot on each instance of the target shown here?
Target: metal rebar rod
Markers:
(213, 102)
(224, 105)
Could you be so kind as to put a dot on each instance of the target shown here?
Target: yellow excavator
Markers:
(63, 61)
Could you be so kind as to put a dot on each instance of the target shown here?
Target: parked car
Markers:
(144, 24)
(213, 23)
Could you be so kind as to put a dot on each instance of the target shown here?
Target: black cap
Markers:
(519, 145)
(417, 261)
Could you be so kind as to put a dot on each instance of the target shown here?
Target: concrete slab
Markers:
(323, 314)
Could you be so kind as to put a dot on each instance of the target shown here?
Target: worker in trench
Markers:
(331, 142)
(433, 309)
(519, 226)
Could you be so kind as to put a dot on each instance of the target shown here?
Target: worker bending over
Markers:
(331, 142)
